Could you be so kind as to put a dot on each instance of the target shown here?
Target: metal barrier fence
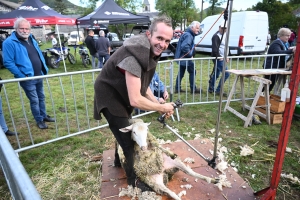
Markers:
(69, 99)
(18, 181)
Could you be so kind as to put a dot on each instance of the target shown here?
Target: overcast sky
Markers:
(237, 4)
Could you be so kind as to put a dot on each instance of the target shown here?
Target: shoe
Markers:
(181, 91)
(11, 133)
(255, 119)
(42, 125)
(197, 91)
(48, 119)
(143, 186)
(210, 91)
(117, 163)
(224, 94)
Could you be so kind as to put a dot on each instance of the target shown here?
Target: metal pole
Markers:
(201, 16)
(186, 142)
(222, 80)
(61, 51)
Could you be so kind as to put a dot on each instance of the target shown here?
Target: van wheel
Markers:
(71, 59)
(52, 61)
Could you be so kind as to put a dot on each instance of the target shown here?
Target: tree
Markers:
(60, 7)
(171, 8)
(280, 14)
(214, 4)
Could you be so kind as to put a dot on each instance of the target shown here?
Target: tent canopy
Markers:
(37, 13)
(110, 13)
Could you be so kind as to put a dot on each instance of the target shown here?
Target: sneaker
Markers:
(224, 94)
(117, 163)
(143, 186)
(11, 133)
(255, 119)
(42, 125)
(210, 91)
(48, 119)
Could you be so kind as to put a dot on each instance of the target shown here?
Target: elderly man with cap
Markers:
(218, 48)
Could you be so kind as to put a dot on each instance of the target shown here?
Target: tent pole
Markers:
(61, 47)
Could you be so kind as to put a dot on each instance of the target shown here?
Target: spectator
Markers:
(109, 36)
(217, 50)
(53, 40)
(2, 120)
(278, 46)
(158, 89)
(185, 49)
(103, 48)
(124, 84)
(90, 44)
(23, 58)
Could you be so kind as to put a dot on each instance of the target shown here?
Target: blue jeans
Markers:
(94, 61)
(35, 93)
(191, 70)
(105, 57)
(215, 76)
(2, 120)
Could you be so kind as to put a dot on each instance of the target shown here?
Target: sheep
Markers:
(153, 164)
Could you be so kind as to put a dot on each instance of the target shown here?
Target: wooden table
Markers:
(253, 74)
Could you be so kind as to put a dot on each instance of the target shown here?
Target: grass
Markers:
(65, 170)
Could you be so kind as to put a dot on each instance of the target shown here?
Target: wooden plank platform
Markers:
(115, 178)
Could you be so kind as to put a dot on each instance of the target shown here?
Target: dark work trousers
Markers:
(271, 78)
(125, 141)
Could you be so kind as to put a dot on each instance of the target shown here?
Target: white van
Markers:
(127, 35)
(248, 32)
(74, 38)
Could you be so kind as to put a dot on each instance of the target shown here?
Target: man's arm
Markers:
(138, 101)
(9, 61)
(187, 45)
(214, 46)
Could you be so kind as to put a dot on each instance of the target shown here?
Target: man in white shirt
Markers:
(54, 41)
(218, 47)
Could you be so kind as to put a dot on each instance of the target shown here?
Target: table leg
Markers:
(231, 92)
(242, 93)
(253, 105)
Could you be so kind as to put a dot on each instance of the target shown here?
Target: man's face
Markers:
(160, 39)
(196, 29)
(24, 30)
(92, 33)
(222, 30)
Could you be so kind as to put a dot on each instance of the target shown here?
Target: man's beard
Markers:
(23, 35)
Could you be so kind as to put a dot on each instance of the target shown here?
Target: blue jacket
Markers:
(185, 44)
(156, 84)
(277, 47)
(16, 60)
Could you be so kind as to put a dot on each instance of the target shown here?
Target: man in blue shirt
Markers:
(23, 58)
(185, 49)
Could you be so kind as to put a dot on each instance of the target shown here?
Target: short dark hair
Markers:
(162, 19)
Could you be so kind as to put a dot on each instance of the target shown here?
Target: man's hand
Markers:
(168, 109)
(166, 95)
(161, 100)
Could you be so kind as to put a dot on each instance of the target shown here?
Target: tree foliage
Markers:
(60, 7)
(280, 14)
(212, 10)
(178, 10)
